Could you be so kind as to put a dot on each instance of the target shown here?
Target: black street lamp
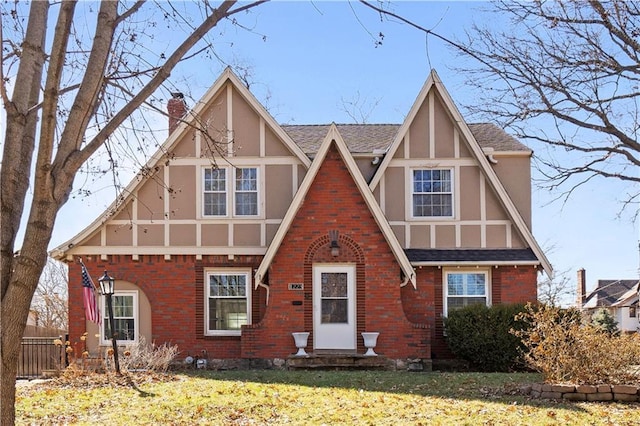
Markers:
(107, 289)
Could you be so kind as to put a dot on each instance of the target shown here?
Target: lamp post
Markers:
(107, 289)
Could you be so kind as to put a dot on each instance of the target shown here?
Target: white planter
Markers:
(301, 342)
(370, 341)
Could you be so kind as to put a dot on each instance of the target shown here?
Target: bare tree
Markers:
(51, 296)
(557, 290)
(359, 108)
(68, 94)
(564, 75)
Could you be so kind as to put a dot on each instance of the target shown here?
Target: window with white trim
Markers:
(215, 192)
(125, 315)
(464, 288)
(227, 301)
(246, 191)
(432, 193)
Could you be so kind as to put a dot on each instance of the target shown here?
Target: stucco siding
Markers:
(279, 190)
(246, 235)
(398, 231)
(119, 235)
(470, 193)
(214, 119)
(444, 147)
(419, 133)
(515, 174)
(445, 236)
(274, 147)
(496, 236)
(150, 201)
(187, 145)
(215, 235)
(400, 151)
(149, 235)
(182, 235)
(246, 128)
(495, 210)
(182, 199)
(516, 239)
(125, 213)
(471, 236)
(395, 193)
(420, 236)
(463, 147)
(366, 168)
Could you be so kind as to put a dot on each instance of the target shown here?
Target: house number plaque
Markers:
(296, 286)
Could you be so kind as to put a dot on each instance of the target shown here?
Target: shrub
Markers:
(143, 356)
(481, 335)
(566, 350)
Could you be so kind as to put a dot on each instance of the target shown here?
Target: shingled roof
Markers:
(471, 255)
(365, 138)
(608, 292)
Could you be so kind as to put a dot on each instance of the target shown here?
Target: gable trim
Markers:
(333, 136)
(434, 82)
(136, 182)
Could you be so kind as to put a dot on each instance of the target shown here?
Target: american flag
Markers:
(91, 310)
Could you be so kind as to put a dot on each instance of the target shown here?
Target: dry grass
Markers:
(304, 398)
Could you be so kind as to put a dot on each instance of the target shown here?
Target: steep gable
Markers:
(333, 140)
(434, 136)
(239, 133)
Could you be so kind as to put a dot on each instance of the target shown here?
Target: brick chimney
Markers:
(176, 109)
(582, 287)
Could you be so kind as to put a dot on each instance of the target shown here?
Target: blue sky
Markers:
(317, 56)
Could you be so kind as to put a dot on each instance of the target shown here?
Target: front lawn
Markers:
(305, 398)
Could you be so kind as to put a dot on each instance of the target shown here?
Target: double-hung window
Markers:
(432, 193)
(464, 288)
(228, 301)
(246, 191)
(125, 316)
(215, 192)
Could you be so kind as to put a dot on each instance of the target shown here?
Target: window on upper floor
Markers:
(216, 191)
(125, 316)
(432, 193)
(246, 191)
(464, 288)
(228, 301)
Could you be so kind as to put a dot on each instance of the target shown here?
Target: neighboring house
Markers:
(618, 297)
(329, 229)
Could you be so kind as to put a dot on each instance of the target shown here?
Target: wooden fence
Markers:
(40, 355)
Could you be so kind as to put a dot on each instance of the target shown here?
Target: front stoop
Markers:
(339, 362)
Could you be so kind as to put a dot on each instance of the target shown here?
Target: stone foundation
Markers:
(329, 362)
(620, 393)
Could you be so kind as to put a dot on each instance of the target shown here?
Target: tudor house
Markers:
(334, 230)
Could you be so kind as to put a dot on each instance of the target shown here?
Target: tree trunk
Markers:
(52, 182)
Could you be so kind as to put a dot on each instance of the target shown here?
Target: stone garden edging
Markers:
(620, 393)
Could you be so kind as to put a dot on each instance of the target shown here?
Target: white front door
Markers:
(334, 307)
